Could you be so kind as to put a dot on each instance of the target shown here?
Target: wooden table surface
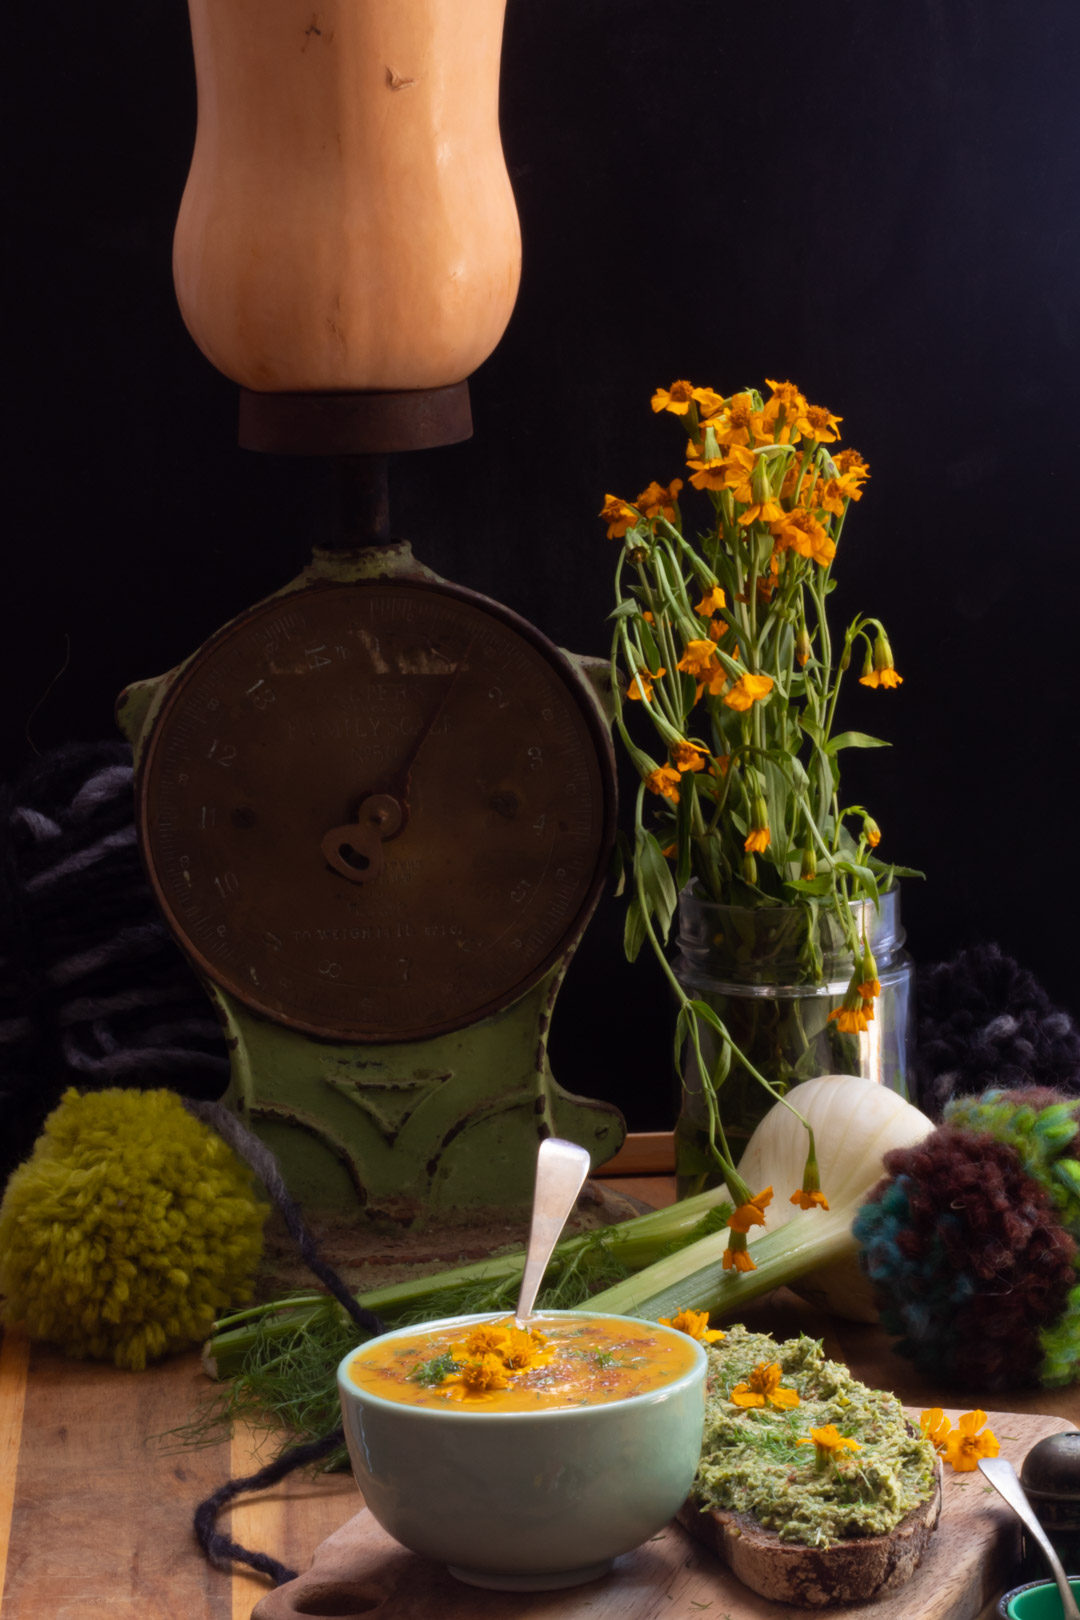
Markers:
(96, 1503)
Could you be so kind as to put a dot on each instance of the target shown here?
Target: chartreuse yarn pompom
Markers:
(130, 1227)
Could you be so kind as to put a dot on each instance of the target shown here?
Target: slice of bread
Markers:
(852, 1571)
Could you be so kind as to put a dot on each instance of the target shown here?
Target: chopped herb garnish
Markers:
(604, 1358)
(436, 1370)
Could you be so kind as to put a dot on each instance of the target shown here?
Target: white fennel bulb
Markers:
(855, 1123)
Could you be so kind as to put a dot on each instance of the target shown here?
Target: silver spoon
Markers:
(561, 1168)
(1002, 1476)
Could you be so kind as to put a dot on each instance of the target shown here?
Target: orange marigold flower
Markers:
(764, 1386)
(815, 422)
(752, 1213)
(781, 410)
(873, 832)
(708, 402)
(477, 1376)
(868, 989)
(880, 672)
(761, 512)
(656, 499)
(740, 422)
(712, 602)
(807, 1200)
(688, 757)
(935, 1426)
(675, 399)
(800, 531)
(810, 1193)
(964, 1445)
(664, 781)
(640, 688)
(849, 464)
(834, 493)
(829, 1441)
(699, 658)
(488, 1338)
(736, 1255)
(695, 1324)
(707, 472)
(524, 1347)
(748, 689)
(851, 1020)
(757, 840)
(618, 515)
(881, 677)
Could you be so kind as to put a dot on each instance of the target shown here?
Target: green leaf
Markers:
(620, 862)
(821, 884)
(862, 875)
(886, 871)
(709, 1016)
(626, 609)
(854, 739)
(649, 647)
(634, 934)
(721, 1065)
(657, 883)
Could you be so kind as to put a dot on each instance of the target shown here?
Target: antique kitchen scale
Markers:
(376, 808)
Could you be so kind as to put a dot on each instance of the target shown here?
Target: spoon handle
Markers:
(561, 1168)
(1002, 1476)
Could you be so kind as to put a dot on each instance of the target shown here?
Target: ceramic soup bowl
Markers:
(527, 1499)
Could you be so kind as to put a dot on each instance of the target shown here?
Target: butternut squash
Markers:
(348, 221)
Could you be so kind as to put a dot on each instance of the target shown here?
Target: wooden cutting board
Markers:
(361, 1571)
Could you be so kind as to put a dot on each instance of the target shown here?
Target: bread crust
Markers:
(851, 1571)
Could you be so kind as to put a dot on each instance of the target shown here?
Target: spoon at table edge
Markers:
(1005, 1480)
(561, 1168)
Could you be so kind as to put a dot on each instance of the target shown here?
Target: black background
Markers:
(877, 200)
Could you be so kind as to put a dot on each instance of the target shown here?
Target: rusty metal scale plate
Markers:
(377, 811)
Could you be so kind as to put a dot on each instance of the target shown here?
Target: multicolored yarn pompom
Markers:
(131, 1226)
(972, 1242)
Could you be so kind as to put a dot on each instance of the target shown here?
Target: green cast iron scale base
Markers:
(376, 810)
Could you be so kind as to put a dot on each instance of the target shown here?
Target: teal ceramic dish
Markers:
(525, 1501)
(1039, 1600)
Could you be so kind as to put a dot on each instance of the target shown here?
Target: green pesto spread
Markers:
(752, 1462)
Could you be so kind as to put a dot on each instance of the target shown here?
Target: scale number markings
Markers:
(261, 695)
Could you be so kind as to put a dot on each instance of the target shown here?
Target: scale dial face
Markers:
(377, 811)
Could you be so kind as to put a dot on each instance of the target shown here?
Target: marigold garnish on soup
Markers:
(498, 1367)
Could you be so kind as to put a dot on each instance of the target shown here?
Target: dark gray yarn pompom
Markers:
(93, 989)
(984, 1021)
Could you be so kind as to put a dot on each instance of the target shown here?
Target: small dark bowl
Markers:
(1038, 1600)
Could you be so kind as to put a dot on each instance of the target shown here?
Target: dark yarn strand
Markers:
(93, 989)
(256, 1154)
(219, 1548)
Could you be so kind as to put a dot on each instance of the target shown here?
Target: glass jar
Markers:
(773, 974)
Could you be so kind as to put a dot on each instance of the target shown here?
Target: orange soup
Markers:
(494, 1366)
